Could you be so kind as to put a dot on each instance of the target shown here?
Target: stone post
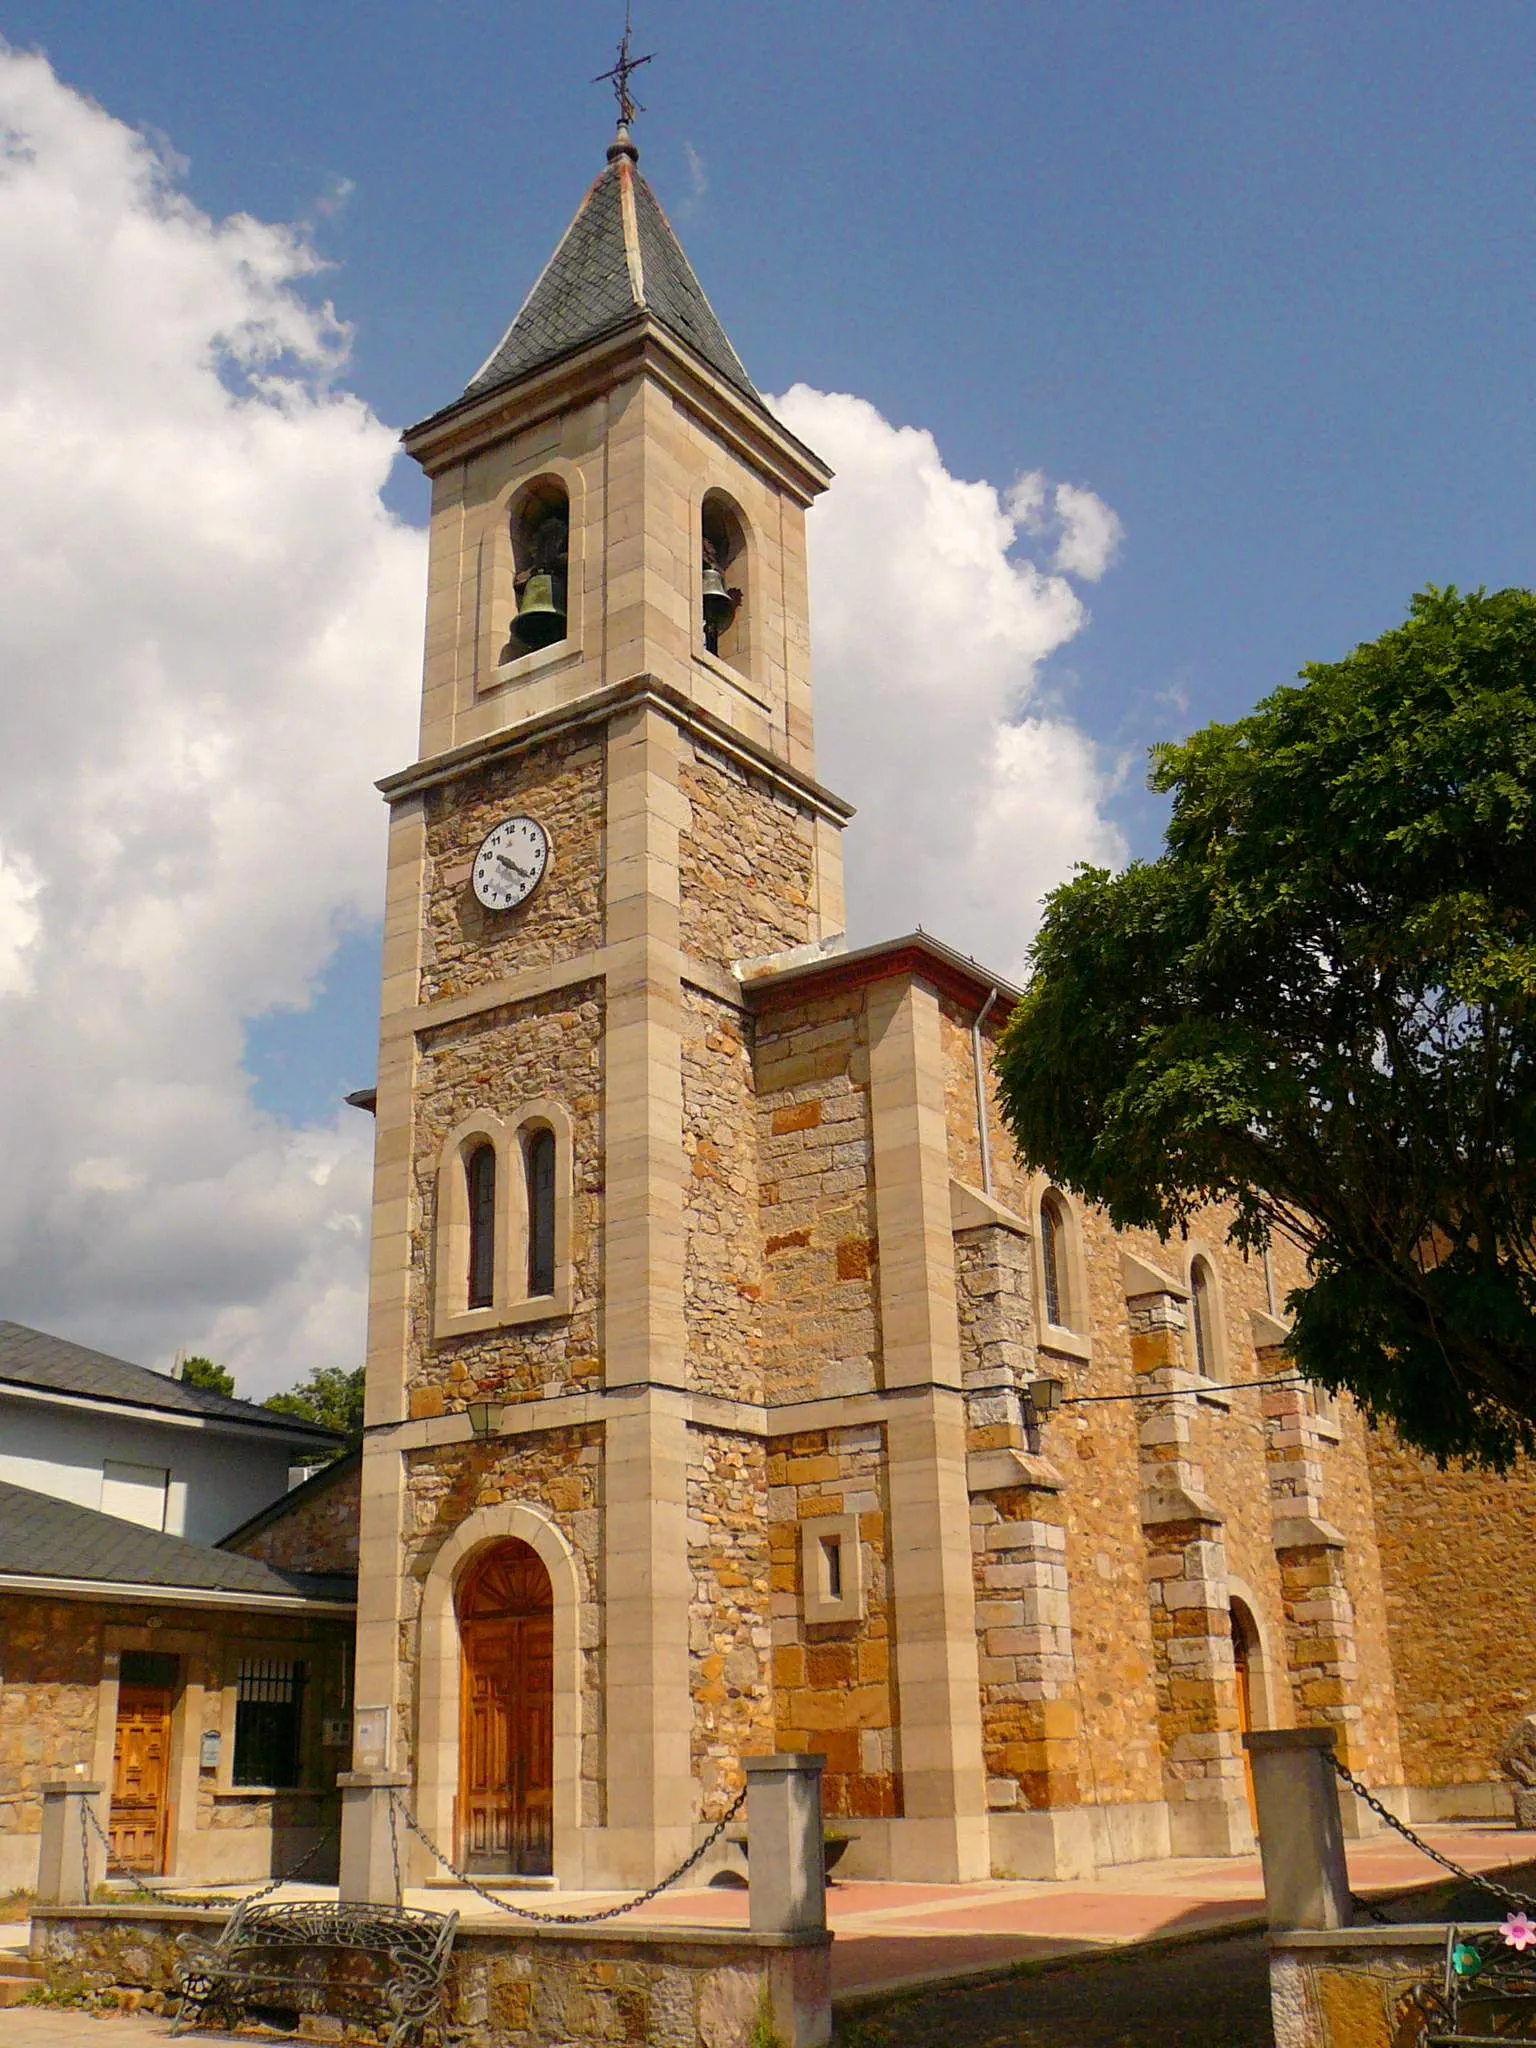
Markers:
(367, 1875)
(785, 1858)
(788, 1893)
(1301, 1836)
(70, 1868)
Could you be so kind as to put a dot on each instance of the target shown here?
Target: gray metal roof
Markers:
(31, 1358)
(41, 1537)
(618, 260)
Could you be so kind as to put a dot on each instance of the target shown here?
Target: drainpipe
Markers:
(981, 1094)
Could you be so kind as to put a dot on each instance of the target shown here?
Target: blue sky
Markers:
(1261, 273)
(1256, 276)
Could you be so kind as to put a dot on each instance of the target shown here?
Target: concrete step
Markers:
(13, 1963)
(14, 1990)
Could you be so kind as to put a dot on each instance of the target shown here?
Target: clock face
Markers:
(511, 863)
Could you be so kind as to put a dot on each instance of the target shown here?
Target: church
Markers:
(731, 1386)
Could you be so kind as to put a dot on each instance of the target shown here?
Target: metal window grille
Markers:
(481, 1173)
(269, 1721)
(539, 1157)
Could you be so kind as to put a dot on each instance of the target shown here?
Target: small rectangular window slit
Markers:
(832, 1569)
(832, 1559)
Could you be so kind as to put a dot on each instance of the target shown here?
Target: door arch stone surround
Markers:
(437, 1748)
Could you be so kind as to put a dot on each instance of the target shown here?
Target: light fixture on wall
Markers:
(1043, 1397)
(484, 1417)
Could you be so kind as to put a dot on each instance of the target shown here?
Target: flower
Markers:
(1465, 1960)
(1518, 1932)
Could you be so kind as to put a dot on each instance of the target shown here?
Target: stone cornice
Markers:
(597, 709)
(918, 954)
(637, 345)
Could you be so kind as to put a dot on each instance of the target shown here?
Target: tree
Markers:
(198, 1371)
(1319, 1005)
(330, 1396)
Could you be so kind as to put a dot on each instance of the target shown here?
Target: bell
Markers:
(719, 605)
(540, 618)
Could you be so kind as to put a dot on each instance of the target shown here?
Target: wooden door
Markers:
(506, 1733)
(1242, 1659)
(141, 1765)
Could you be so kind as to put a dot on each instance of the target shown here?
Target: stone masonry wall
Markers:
(1380, 1673)
(561, 784)
(723, 1277)
(54, 1658)
(820, 1312)
(559, 1470)
(1459, 1564)
(506, 1987)
(1029, 1710)
(317, 1533)
(832, 1680)
(496, 1061)
(747, 860)
(50, 1665)
(729, 1636)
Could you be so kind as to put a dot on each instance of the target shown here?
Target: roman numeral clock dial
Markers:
(511, 863)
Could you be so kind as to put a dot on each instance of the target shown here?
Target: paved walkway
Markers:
(892, 1936)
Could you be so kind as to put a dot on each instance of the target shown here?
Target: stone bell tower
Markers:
(614, 802)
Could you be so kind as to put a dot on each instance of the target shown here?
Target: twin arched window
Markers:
(503, 1221)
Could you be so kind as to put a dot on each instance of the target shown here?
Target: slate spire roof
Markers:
(618, 261)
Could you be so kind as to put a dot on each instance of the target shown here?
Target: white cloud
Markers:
(209, 643)
(209, 647)
(928, 630)
(1090, 533)
(1087, 533)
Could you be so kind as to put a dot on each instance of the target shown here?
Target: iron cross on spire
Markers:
(621, 74)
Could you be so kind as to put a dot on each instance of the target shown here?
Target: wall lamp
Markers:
(1044, 1396)
(484, 1417)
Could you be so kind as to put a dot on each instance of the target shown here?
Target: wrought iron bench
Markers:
(377, 1965)
(1486, 1994)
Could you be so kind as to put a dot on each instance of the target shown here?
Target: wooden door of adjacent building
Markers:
(139, 1814)
(506, 1734)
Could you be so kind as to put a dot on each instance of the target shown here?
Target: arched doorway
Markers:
(1245, 1636)
(506, 1737)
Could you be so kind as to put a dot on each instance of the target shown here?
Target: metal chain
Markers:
(394, 1849)
(1519, 1900)
(168, 1898)
(569, 1919)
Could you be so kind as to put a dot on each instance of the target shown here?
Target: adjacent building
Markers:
(206, 1688)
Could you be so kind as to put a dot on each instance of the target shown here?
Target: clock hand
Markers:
(512, 864)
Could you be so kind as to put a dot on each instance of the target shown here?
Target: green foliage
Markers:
(764, 2033)
(331, 1397)
(1319, 1004)
(198, 1371)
